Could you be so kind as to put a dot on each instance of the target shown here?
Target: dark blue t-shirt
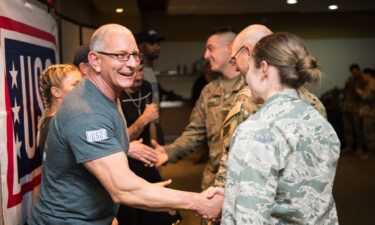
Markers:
(87, 126)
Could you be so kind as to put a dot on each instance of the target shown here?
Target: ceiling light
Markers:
(119, 10)
(291, 2)
(333, 7)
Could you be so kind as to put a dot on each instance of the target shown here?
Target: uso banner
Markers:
(27, 46)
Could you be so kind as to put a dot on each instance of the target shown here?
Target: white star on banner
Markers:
(16, 111)
(14, 74)
(18, 145)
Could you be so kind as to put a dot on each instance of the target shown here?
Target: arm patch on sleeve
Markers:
(96, 135)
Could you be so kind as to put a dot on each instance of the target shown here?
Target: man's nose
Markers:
(206, 55)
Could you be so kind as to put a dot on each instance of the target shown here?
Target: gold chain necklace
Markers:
(138, 104)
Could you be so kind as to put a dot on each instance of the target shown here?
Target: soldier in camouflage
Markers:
(244, 106)
(283, 159)
(351, 120)
(367, 112)
(211, 108)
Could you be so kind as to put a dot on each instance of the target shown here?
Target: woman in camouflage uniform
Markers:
(283, 159)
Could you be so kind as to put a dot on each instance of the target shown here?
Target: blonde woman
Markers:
(55, 83)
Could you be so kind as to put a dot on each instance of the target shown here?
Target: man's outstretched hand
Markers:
(161, 154)
(142, 152)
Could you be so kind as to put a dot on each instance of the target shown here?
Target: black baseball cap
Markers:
(149, 36)
(81, 55)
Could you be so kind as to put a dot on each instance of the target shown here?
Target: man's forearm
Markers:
(137, 128)
(154, 198)
(127, 188)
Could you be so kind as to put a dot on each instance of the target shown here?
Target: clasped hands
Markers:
(207, 203)
(210, 203)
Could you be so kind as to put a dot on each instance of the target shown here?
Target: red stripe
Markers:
(9, 125)
(23, 28)
(29, 186)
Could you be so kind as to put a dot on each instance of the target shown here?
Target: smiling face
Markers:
(109, 73)
(218, 50)
(119, 74)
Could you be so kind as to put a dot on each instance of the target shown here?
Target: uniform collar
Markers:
(286, 95)
(238, 85)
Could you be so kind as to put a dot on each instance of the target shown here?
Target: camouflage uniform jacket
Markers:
(351, 97)
(205, 126)
(367, 94)
(244, 107)
(282, 165)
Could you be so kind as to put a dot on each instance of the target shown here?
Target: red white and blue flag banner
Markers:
(28, 45)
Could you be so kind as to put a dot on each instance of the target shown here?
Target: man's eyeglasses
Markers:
(233, 60)
(124, 57)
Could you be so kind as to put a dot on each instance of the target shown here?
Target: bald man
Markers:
(211, 108)
(86, 174)
(244, 105)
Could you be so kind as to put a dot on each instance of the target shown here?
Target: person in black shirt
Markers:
(140, 115)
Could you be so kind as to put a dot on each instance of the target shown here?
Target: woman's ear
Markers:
(95, 61)
(56, 92)
(264, 67)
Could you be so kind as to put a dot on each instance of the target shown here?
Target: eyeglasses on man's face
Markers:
(233, 59)
(124, 57)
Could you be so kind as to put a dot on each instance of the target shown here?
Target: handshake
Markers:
(207, 203)
(155, 156)
(210, 203)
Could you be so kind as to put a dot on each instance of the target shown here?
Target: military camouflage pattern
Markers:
(367, 112)
(314, 101)
(351, 97)
(282, 165)
(243, 108)
(367, 94)
(351, 119)
(205, 126)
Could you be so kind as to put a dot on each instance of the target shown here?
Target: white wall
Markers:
(69, 41)
(174, 53)
(86, 35)
(334, 55)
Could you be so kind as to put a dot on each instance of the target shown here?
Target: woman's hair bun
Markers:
(308, 69)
